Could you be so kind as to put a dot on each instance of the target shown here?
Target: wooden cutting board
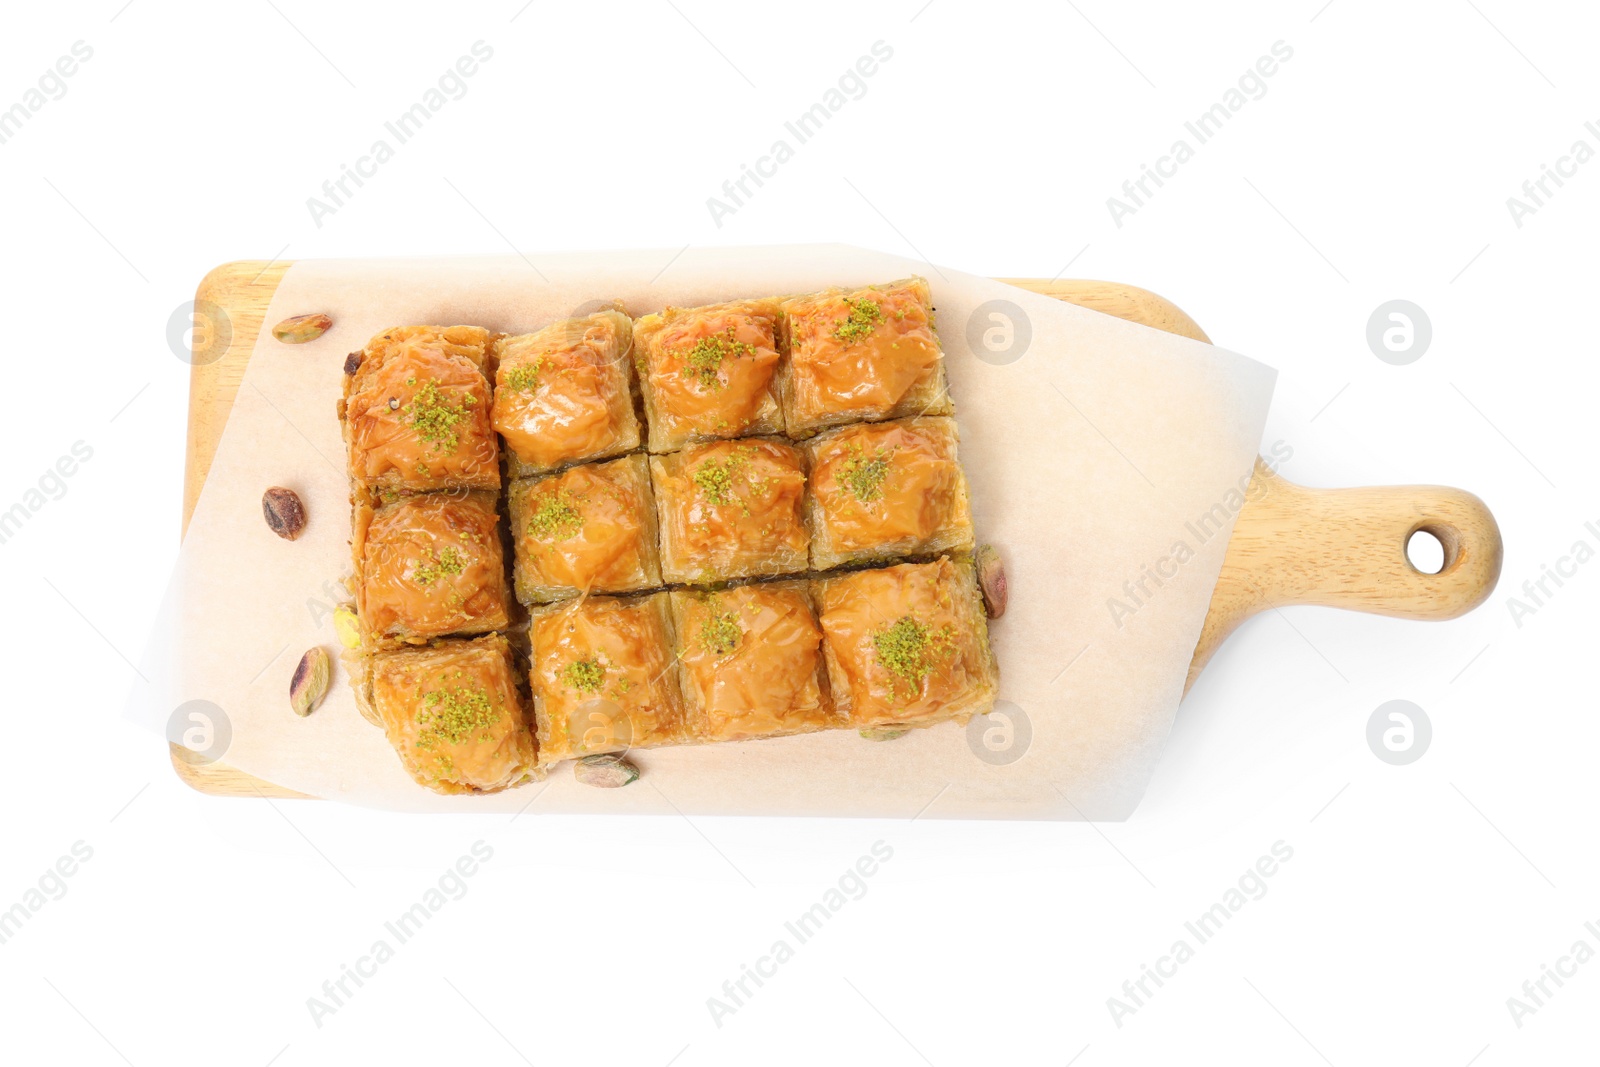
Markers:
(1343, 548)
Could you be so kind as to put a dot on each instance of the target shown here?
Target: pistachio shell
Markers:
(284, 513)
(310, 682)
(299, 329)
(346, 625)
(607, 772)
(881, 733)
(991, 581)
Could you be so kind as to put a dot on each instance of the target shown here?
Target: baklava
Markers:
(589, 529)
(861, 355)
(880, 490)
(750, 658)
(429, 565)
(709, 372)
(565, 394)
(454, 715)
(416, 412)
(605, 677)
(731, 509)
(729, 522)
(907, 645)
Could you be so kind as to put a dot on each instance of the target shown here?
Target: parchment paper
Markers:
(1092, 458)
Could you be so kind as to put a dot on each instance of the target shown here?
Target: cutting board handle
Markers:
(1346, 548)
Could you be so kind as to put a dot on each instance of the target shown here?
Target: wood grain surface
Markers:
(1343, 548)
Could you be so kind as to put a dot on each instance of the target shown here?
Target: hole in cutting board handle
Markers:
(1432, 548)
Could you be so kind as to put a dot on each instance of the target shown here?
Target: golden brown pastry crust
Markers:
(731, 509)
(588, 529)
(416, 412)
(709, 372)
(907, 645)
(605, 677)
(886, 489)
(751, 661)
(427, 566)
(453, 713)
(865, 354)
(564, 394)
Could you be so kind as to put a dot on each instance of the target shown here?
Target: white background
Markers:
(1376, 166)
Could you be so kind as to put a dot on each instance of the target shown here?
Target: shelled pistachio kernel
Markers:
(284, 513)
(882, 733)
(347, 626)
(606, 772)
(298, 329)
(310, 682)
(991, 581)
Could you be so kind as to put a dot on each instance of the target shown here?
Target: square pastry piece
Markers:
(731, 509)
(427, 566)
(868, 354)
(884, 489)
(589, 529)
(709, 372)
(453, 714)
(416, 411)
(907, 645)
(751, 661)
(605, 678)
(565, 393)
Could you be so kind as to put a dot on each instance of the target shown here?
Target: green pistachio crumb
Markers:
(454, 716)
(715, 478)
(721, 633)
(864, 476)
(908, 650)
(863, 319)
(447, 560)
(584, 675)
(703, 362)
(525, 378)
(435, 418)
(555, 517)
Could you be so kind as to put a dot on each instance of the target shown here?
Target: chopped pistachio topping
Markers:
(454, 716)
(721, 633)
(447, 560)
(525, 378)
(908, 649)
(715, 477)
(435, 418)
(863, 476)
(584, 675)
(863, 319)
(704, 360)
(555, 518)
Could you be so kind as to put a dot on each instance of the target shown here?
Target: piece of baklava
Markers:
(605, 678)
(565, 394)
(427, 566)
(416, 411)
(454, 715)
(751, 661)
(588, 529)
(907, 645)
(886, 489)
(731, 509)
(709, 372)
(866, 354)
